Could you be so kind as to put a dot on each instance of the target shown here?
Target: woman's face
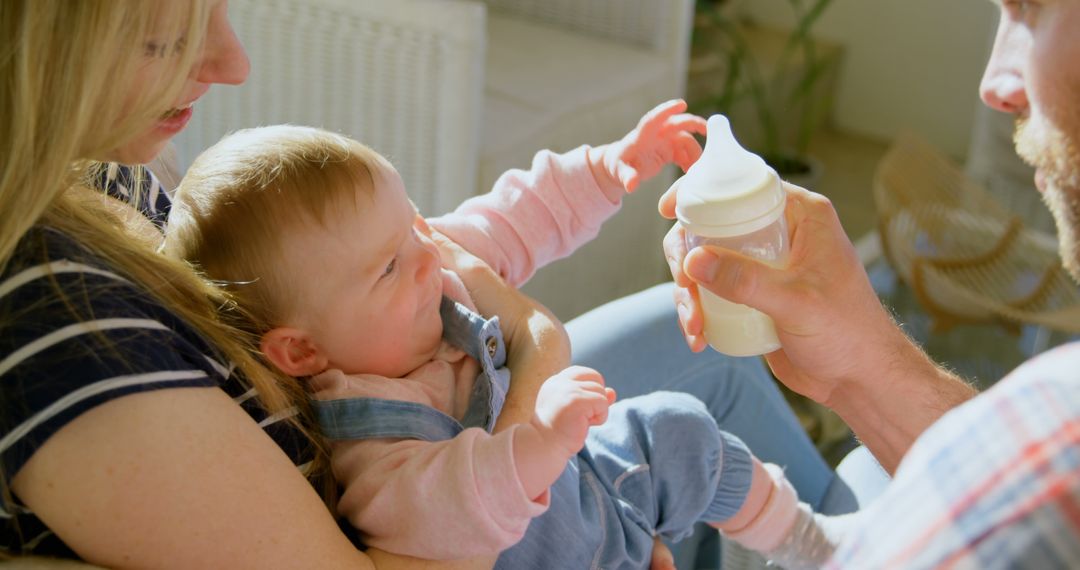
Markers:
(221, 60)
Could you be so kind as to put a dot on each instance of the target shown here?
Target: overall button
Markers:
(492, 346)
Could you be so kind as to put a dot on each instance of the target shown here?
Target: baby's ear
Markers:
(293, 352)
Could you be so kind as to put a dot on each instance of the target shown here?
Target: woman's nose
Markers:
(223, 59)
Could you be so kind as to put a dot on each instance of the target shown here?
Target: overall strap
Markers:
(372, 418)
(481, 339)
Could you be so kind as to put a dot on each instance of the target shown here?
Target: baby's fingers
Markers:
(599, 407)
(583, 374)
(686, 123)
(655, 118)
(688, 151)
(629, 177)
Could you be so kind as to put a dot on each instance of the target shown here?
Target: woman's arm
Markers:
(537, 344)
(183, 478)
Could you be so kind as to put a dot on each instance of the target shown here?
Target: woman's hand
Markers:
(840, 346)
(662, 558)
(537, 344)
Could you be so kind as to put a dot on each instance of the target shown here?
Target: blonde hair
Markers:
(239, 199)
(68, 93)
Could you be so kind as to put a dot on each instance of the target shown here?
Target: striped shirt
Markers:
(105, 339)
(995, 483)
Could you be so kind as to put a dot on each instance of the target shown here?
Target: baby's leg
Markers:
(666, 465)
(773, 522)
(636, 344)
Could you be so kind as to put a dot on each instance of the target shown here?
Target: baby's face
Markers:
(373, 286)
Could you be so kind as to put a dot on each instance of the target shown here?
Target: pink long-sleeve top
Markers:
(463, 497)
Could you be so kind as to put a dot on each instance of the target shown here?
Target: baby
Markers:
(322, 246)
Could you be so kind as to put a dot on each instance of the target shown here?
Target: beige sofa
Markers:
(455, 92)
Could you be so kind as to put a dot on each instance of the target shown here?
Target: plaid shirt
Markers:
(995, 483)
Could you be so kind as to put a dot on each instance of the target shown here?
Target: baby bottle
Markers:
(732, 199)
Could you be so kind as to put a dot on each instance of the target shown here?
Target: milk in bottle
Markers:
(732, 199)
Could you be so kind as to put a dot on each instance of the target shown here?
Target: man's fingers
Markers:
(674, 253)
(735, 277)
(667, 200)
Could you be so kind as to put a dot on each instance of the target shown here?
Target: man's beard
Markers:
(1056, 154)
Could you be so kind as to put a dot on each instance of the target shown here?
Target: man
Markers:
(986, 481)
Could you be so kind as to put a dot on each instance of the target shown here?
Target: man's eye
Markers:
(1019, 9)
(390, 267)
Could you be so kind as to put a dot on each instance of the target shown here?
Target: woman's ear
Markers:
(293, 352)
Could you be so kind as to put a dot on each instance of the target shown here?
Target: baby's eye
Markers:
(390, 267)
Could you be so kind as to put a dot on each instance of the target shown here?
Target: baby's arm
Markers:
(531, 218)
(773, 521)
(441, 500)
(567, 405)
(476, 493)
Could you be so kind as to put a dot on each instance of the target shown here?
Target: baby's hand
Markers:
(568, 403)
(663, 136)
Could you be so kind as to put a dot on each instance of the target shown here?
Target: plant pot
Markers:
(801, 170)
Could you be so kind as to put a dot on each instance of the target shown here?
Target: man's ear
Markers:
(293, 352)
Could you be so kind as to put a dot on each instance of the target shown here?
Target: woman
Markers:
(138, 428)
(101, 445)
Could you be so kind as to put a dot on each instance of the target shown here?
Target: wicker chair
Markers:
(967, 258)
(455, 92)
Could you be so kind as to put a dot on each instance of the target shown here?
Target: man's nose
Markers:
(1003, 83)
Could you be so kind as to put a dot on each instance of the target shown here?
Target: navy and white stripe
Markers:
(136, 185)
(106, 338)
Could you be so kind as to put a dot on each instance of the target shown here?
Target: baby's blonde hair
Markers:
(239, 200)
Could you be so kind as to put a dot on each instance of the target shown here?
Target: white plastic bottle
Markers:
(732, 199)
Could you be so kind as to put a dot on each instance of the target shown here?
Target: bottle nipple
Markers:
(729, 190)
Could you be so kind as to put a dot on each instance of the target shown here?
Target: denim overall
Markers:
(658, 464)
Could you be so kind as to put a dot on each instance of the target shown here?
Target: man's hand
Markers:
(840, 346)
(663, 136)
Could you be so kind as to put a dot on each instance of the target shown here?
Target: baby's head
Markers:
(319, 243)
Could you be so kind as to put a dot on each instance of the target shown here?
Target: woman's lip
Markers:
(177, 122)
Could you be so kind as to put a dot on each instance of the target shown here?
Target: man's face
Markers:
(1034, 73)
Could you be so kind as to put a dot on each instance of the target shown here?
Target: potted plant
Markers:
(772, 85)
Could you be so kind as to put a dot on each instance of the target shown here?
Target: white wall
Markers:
(908, 64)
